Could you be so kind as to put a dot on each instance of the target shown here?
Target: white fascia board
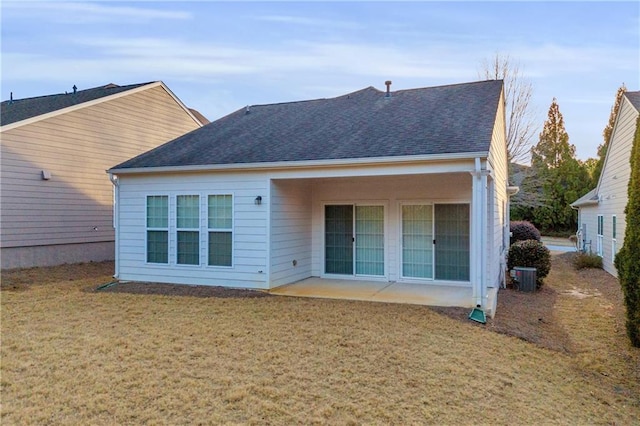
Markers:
(304, 164)
(512, 190)
(98, 101)
(584, 203)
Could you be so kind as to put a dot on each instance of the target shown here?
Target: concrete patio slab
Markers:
(376, 291)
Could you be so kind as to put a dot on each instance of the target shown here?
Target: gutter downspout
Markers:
(116, 203)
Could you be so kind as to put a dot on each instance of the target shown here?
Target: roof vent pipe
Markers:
(11, 98)
(388, 83)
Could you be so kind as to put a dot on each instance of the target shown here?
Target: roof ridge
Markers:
(104, 86)
(347, 95)
(449, 85)
(16, 110)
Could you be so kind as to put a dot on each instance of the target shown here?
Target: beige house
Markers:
(56, 200)
(601, 218)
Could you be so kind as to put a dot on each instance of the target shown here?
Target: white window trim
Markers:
(207, 230)
(600, 235)
(614, 239)
(147, 229)
(203, 230)
(178, 230)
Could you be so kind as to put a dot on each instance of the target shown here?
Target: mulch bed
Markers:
(527, 316)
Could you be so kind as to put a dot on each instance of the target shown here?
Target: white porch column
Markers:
(479, 237)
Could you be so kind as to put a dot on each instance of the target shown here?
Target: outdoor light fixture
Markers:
(258, 200)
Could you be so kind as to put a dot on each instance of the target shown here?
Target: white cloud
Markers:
(308, 22)
(86, 12)
(218, 59)
(552, 58)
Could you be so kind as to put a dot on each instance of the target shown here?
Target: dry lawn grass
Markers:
(73, 356)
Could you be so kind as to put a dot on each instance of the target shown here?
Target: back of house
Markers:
(56, 200)
(406, 186)
(601, 216)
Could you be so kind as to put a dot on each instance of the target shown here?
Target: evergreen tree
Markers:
(606, 134)
(626, 260)
(558, 175)
(591, 165)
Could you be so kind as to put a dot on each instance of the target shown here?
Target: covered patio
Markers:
(387, 292)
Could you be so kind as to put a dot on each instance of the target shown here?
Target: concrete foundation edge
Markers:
(28, 257)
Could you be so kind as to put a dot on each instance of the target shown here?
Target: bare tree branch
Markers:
(521, 119)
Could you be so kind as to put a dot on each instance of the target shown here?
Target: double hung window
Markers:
(188, 229)
(220, 225)
(600, 235)
(158, 229)
(179, 228)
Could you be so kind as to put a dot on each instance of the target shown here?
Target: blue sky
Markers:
(218, 57)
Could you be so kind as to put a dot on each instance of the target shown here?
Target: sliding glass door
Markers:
(354, 240)
(435, 241)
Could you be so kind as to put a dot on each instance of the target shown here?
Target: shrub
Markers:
(587, 260)
(521, 230)
(626, 260)
(531, 254)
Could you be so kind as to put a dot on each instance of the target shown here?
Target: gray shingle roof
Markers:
(590, 198)
(634, 98)
(364, 124)
(16, 110)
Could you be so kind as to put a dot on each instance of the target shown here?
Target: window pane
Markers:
(338, 239)
(600, 225)
(188, 211)
(157, 247)
(220, 211)
(452, 230)
(370, 240)
(417, 241)
(220, 248)
(157, 211)
(188, 247)
(614, 227)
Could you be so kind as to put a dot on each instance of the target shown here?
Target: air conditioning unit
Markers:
(525, 277)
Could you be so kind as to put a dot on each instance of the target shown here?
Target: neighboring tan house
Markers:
(56, 201)
(601, 218)
(407, 186)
